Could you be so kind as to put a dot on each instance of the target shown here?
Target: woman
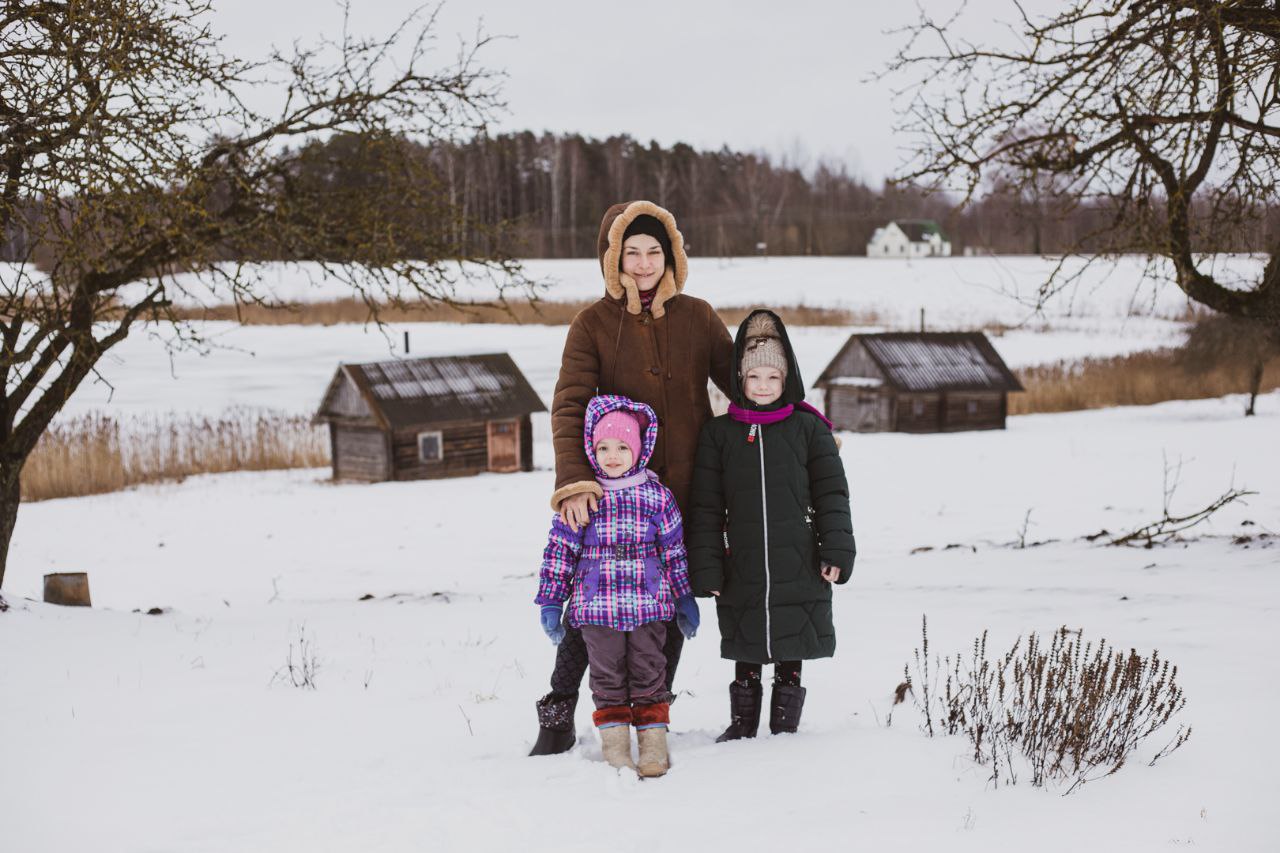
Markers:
(647, 340)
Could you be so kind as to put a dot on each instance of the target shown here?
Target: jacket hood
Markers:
(792, 388)
(602, 405)
(619, 285)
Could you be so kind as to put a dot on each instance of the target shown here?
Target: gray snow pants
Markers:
(571, 660)
(627, 667)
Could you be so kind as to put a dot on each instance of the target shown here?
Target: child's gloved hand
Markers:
(687, 616)
(552, 618)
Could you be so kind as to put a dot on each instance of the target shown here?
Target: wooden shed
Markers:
(917, 382)
(418, 418)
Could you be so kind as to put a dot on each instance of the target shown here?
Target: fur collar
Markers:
(622, 286)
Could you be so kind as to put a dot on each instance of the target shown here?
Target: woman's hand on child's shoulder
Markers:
(576, 511)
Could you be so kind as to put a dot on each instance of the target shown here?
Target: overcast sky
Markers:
(785, 77)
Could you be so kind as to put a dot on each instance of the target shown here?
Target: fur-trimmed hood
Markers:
(619, 285)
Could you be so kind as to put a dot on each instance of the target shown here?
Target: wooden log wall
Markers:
(359, 453)
(986, 411)
(526, 443)
(908, 419)
(465, 451)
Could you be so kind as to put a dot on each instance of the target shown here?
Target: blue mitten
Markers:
(552, 615)
(687, 616)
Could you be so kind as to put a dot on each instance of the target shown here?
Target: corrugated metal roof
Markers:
(413, 392)
(934, 361)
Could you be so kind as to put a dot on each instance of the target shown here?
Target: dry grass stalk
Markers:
(542, 313)
(94, 454)
(1068, 713)
(1139, 379)
(301, 665)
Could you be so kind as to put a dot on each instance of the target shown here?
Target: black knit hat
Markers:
(646, 224)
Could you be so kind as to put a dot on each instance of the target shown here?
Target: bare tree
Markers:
(1230, 343)
(131, 136)
(1166, 112)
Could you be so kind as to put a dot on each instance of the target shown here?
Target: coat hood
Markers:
(792, 388)
(621, 286)
(603, 405)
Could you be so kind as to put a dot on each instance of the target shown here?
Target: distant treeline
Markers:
(542, 196)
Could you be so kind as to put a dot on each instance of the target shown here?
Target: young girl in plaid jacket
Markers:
(623, 576)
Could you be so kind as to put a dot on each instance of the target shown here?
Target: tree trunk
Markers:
(10, 493)
(1255, 385)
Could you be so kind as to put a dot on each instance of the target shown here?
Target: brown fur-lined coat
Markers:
(662, 357)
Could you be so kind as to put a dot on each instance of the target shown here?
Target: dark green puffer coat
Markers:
(773, 603)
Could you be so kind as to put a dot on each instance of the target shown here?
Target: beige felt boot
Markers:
(653, 751)
(615, 742)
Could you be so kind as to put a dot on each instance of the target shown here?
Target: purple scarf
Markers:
(613, 484)
(750, 416)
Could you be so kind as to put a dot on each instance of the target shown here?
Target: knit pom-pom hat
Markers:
(762, 347)
(623, 426)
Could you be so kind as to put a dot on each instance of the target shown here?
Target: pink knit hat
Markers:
(621, 425)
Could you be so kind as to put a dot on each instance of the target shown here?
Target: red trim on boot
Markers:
(618, 715)
(657, 714)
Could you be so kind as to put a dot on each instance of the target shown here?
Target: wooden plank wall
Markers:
(989, 412)
(926, 421)
(846, 412)
(856, 362)
(359, 453)
(526, 443)
(466, 451)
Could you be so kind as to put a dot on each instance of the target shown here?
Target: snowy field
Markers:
(128, 732)
(1113, 310)
(289, 367)
(957, 292)
(136, 733)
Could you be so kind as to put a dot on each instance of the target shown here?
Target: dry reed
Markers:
(540, 313)
(1139, 379)
(1064, 712)
(94, 454)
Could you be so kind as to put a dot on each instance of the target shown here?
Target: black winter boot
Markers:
(784, 708)
(555, 724)
(744, 710)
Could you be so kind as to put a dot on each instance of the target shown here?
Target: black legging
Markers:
(786, 673)
(571, 659)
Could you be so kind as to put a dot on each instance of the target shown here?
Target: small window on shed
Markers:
(430, 446)
(971, 407)
(917, 408)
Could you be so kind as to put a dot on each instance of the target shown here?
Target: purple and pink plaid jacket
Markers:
(627, 566)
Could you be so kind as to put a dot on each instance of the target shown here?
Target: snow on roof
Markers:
(857, 381)
(418, 391)
(931, 361)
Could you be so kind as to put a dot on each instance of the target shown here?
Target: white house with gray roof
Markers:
(909, 238)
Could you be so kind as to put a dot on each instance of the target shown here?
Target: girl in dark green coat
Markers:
(769, 529)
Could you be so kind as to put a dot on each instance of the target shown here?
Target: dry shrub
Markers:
(1138, 379)
(1067, 714)
(352, 310)
(94, 454)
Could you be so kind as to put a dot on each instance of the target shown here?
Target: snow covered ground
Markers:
(128, 732)
(956, 292)
(288, 367)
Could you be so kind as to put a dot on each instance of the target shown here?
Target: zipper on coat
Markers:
(758, 429)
